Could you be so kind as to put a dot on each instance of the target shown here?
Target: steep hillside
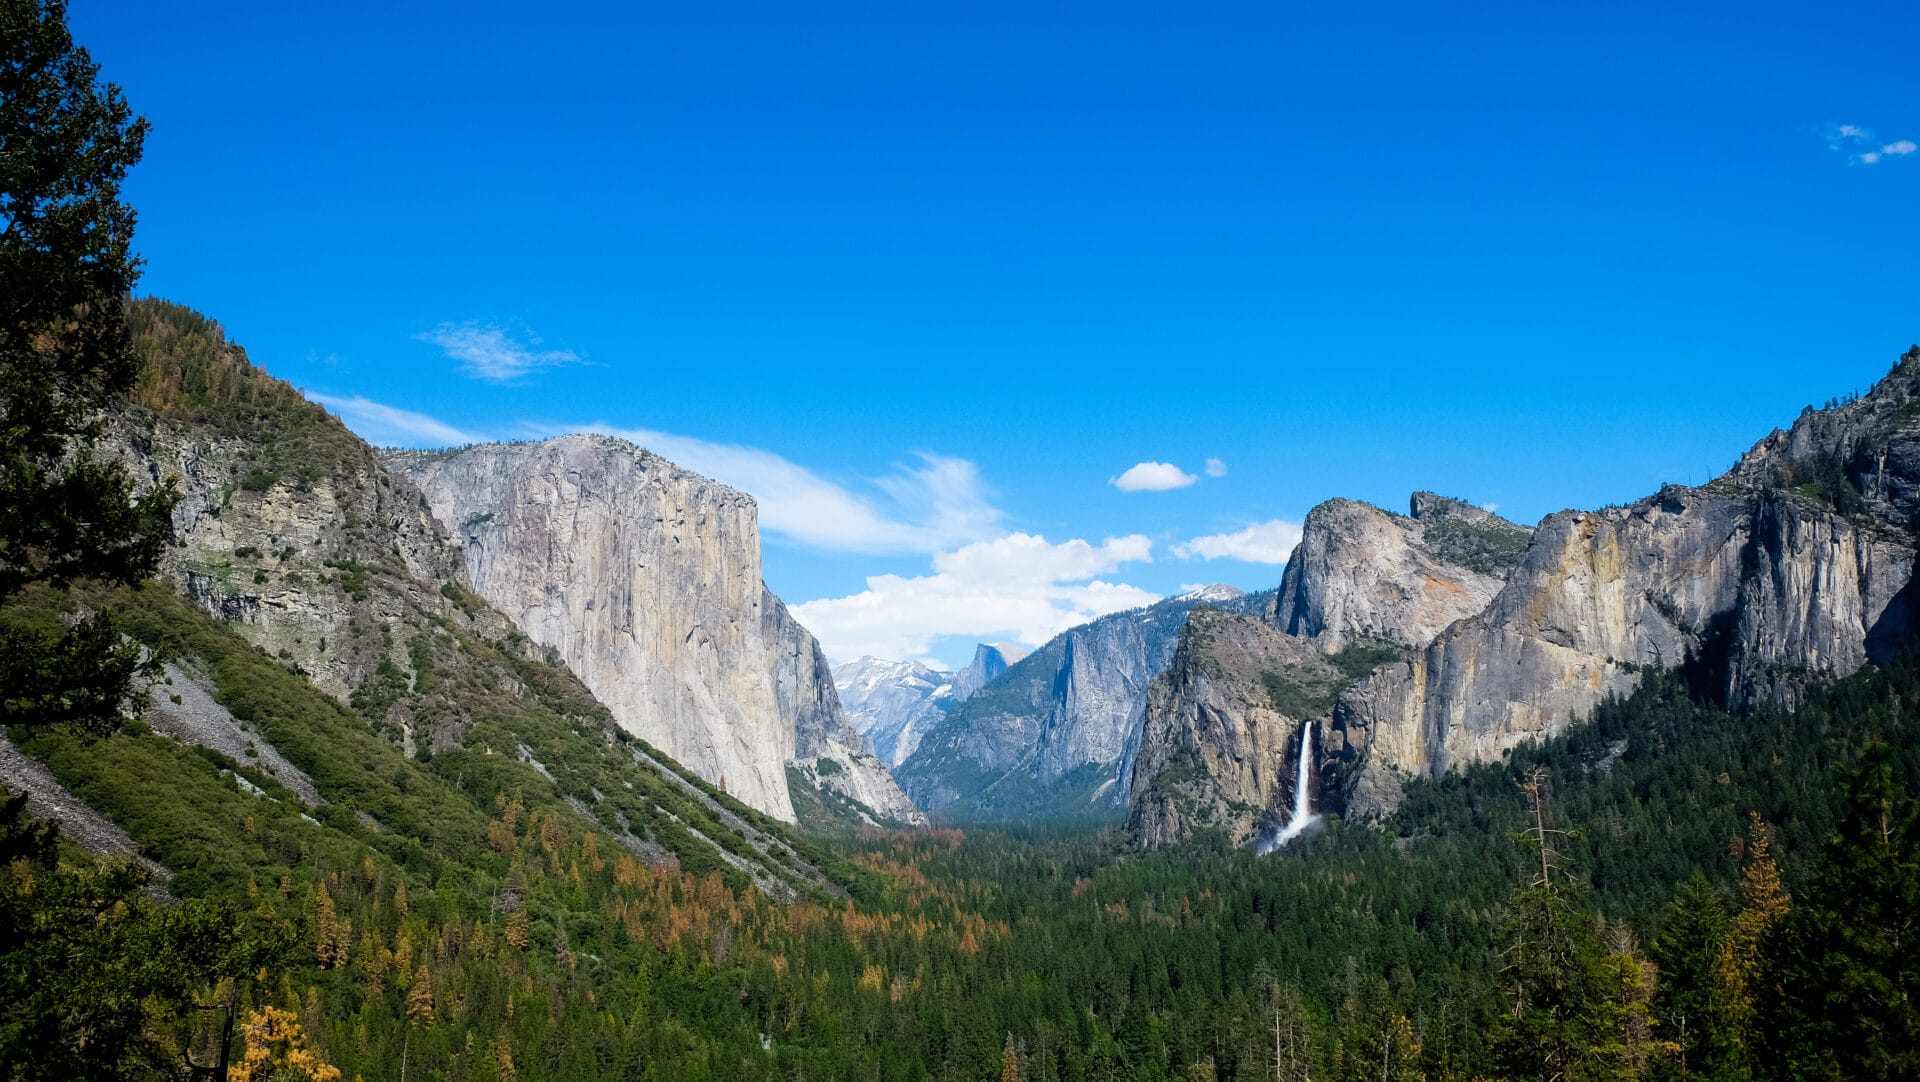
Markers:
(293, 534)
(645, 580)
(1056, 733)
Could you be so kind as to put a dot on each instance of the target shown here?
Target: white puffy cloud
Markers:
(1900, 148)
(1216, 467)
(1268, 542)
(1152, 477)
(938, 503)
(1020, 586)
(390, 426)
(493, 353)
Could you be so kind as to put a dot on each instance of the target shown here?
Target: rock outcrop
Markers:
(828, 752)
(1223, 728)
(645, 579)
(1795, 566)
(1360, 573)
(990, 659)
(1362, 589)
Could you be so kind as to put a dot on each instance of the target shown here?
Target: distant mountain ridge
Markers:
(891, 703)
(1056, 732)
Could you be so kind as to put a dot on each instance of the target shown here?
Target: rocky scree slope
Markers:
(1056, 733)
(644, 578)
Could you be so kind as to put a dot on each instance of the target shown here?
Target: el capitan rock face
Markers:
(645, 579)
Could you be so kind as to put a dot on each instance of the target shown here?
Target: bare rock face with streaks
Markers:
(645, 579)
(1361, 573)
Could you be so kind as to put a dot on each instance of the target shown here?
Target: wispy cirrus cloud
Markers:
(1269, 542)
(1020, 585)
(1216, 467)
(390, 426)
(1862, 147)
(494, 353)
(1152, 477)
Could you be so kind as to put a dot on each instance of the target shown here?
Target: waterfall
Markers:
(1303, 816)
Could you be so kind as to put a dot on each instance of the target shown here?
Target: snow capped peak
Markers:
(1218, 591)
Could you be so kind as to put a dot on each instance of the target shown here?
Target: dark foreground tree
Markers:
(97, 979)
(1843, 995)
(66, 267)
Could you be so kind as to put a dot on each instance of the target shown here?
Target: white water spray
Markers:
(1303, 816)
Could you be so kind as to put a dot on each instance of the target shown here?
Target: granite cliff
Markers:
(1793, 567)
(1222, 728)
(645, 580)
(330, 664)
(1362, 589)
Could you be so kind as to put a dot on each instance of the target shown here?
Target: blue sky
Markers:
(929, 279)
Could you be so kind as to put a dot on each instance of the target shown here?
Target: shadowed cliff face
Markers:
(645, 579)
(1793, 567)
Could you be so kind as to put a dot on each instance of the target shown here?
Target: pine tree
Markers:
(1843, 974)
(1570, 999)
(420, 999)
(1693, 931)
(66, 267)
(1764, 903)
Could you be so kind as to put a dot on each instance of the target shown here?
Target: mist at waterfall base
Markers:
(1302, 819)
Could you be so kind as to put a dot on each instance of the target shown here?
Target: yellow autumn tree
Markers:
(276, 1050)
(519, 932)
(1763, 903)
(332, 933)
(420, 999)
